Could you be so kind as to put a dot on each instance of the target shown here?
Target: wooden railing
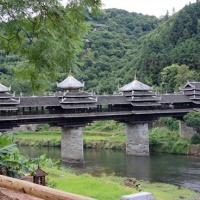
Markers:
(38, 190)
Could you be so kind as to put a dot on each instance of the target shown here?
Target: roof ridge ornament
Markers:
(135, 77)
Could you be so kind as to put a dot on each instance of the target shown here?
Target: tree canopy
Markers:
(192, 119)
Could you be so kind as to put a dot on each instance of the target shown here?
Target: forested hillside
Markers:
(163, 52)
(109, 62)
(159, 50)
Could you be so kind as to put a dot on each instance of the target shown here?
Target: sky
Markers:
(157, 8)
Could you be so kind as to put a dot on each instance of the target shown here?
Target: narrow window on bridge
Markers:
(104, 106)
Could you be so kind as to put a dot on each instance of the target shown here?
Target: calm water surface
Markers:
(174, 169)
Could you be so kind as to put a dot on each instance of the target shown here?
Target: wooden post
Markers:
(38, 190)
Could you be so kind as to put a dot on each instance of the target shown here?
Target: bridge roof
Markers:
(73, 94)
(174, 98)
(70, 83)
(39, 101)
(111, 99)
(66, 100)
(135, 85)
(10, 101)
(3, 88)
(8, 108)
(6, 95)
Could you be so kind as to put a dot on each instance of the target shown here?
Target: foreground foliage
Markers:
(45, 34)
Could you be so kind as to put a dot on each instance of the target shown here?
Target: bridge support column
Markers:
(137, 139)
(72, 145)
(185, 131)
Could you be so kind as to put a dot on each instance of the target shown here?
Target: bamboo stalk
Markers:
(38, 190)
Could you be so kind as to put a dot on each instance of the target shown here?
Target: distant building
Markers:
(96, 26)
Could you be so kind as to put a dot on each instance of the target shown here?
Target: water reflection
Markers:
(180, 170)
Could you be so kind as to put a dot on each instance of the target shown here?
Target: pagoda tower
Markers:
(73, 99)
(192, 90)
(8, 107)
(140, 96)
(8, 102)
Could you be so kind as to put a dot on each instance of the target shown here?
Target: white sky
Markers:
(150, 7)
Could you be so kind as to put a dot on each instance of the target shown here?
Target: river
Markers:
(174, 169)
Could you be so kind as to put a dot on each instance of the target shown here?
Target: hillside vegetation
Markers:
(133, 42)
(163, 52)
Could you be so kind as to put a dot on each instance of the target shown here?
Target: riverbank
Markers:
(97, 187)
(161, 140)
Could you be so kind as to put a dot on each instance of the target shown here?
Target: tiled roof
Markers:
(9, 101)
(138, 93)
(39, 101)
(143, 99)
(3, 88)
(174, 98)
(40, 172)
(111, 99)
(191, 85)
(70, 83)
(8, 108)
(5, 95)
(77, 100)
(196, 102)
(135, 85)
(73, 94)
(195, 97)
(194, 92)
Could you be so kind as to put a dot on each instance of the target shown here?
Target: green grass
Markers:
(37, 136)
(109, 188)
(106, 126)
(117, 138)
(94, 137)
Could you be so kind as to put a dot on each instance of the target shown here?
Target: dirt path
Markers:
(6, 194)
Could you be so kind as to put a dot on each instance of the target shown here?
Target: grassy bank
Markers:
(97, 187)
(108, 135)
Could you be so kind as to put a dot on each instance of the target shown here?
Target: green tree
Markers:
(183, 75)
(168, 75)
(47, 34)
(192, 119)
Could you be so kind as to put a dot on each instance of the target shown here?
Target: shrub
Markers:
(180, 147)
(192, 119)
(171, 123)
(195, 139)
(42, 127)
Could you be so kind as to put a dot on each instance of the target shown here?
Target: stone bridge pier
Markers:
(185, 131)
(72, 145)
(137, 142)
(137, 139)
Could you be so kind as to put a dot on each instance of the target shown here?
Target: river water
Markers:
(173, 169)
